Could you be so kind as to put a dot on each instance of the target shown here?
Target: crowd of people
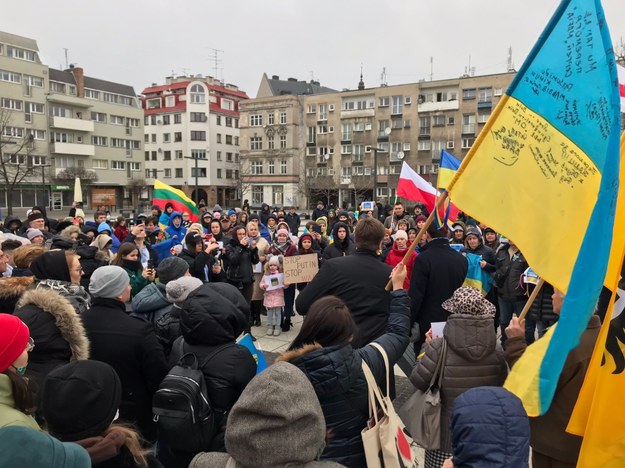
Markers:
(97, 316)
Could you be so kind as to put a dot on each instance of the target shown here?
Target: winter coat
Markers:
(318, 213)
(541, 309)
(112, 452)
(90, 260)
(151, 303)
(273, 298)
(137, 281)
(392, 221)
(487, 254)
(176, 233)
(339, 248)
(240, 260)
(395, 256)
(489, 428)
(11, 289)
(288, 251)
(508, 273)
(548, 432)
(201, 266)
(359, 280)
(7, 223)
(56, 329)
(293, 220)
(210, 319)
(121, 232)
(263, 246)
(436, 273)
(158, 251)
(335, 373)
(9, 414)
(167, 329)
(77, 296)
(130, 346)
(106, 227)
(473, 360)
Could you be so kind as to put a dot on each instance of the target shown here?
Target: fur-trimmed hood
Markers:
(289, 356)
(67, 321)
(11, 287)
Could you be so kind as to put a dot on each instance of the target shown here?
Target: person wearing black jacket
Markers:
(211, 319)
(319, 211)
(129, 345)
(541, 315)
(359, 280)
(241, 255)
(201, 260)
(293, 220)
(342, 245)
(436, 273)
(265, 211)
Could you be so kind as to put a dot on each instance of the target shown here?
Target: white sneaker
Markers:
(269, 331)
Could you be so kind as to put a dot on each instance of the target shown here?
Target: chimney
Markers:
(79, 77)
(275, 77)
(294, 80)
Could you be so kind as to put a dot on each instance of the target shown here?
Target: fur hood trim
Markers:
(289, 356)
(66, 318)
(10, 287)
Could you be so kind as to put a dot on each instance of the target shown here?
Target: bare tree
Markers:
(16, 164)
(321, 187)
(85, 175)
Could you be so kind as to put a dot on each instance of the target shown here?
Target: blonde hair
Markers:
(268, 264)
(23, 256)
(134, 443)
(197, 227)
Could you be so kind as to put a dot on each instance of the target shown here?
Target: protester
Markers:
(201, 258)
(22, 258)
(397, 253)
(491, 239)
(121, 230)
(12, 288)
(473, 359)
(80, 402)
(176, 229)
(342, 244)
(281, 393)
(325, 350)
(282, 245)
(17, 399)
(36, 220)
(293, 220)
(540, 315)
(391, 222)
(165, 217)
(319, 211)
(12, 225)
(551, 444)
(256, 305)
(127, 257)
(458, 230)
(273, 298)
(130, 346)
(35, 236)
(105, 228)
(149, 250)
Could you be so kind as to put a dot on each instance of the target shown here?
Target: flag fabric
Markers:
(412, 186)
(549, 154)
(477, 277)
(621, 85)
(599, 403)
(164, 194)
(447, 169)
(247, 342)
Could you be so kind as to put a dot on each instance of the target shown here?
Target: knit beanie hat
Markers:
(474, 231)
(231, 211)
(108, 282)
(13, 339)
(171, 269)
(31, 233)
(283, 231)
(51, 265)
(278, 404)
(34, 216)
(421, 218)
(179, 289)
(401, 234)
(274, 260)
(80, 399)
(469, 301)
(22, 446)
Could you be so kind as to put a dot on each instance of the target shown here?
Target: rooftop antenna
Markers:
(383, 81)
(217, 62)
(66, 60)
(431, 68)
(185, 71)
(510, 62)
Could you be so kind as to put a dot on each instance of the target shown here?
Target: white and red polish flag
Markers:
(621, 85)
(412, 186)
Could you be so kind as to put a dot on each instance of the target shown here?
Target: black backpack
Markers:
(182, 409)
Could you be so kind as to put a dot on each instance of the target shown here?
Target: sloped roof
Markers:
(296, 88)
(93, 83)
(18, 41)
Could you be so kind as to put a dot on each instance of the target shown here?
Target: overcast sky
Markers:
(139, 42)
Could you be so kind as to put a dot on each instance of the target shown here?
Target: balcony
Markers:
(438, 106)
(485, 104)
(356, 113)
(72, 124)
(75, 149)
(346, 180)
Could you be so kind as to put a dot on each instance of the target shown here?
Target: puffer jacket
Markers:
(77, 296)
(541, 309)
(56, 329)
(174, 232)
(212, 316)
(490, 429)
(473, 360)
(240, 260)
(508, 273)
(151, 303)
(339, 248)
(336, 375)
(11, 289)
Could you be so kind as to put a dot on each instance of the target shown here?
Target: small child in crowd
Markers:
(273, 299)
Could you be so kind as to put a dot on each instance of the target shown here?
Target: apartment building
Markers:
(192, 137)
(355, 140)
(60, 124)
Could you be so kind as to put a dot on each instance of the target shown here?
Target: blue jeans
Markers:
(274, 315)
(507, 309)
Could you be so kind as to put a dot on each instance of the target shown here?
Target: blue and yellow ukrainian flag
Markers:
(549, 154)
(447, 170)
(476, 276)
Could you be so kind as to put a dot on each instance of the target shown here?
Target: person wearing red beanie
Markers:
(16, 397)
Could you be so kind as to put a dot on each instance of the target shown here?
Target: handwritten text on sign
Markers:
(300, 268)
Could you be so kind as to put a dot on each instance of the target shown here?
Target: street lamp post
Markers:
(43, 185)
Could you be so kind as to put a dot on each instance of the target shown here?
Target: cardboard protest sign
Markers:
(300, 268)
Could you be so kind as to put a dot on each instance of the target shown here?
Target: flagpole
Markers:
(421, 233)
(531, 299)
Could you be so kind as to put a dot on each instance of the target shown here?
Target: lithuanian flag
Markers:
(164, 194)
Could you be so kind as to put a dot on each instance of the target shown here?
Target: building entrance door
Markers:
(57, 201)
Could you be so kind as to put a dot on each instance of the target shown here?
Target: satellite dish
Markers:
(400, 155)
(326, 156)
(387, 131)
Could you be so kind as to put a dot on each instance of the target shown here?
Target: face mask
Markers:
(21, 370)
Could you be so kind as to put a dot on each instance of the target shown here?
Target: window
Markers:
(323, 112)
(135, 166)
(152, 120)
(100, 164)
(322, 129)
(257, 194)
(398, 105)
(37, 134)
(170, 101)
(166, 155)
(166, 137)
(98, 140)
(92, 94)
(219, 138)
(118, 165)
(283, 166)
(218, 120)
(167, 174)
(198, 117)
(35, 81)
(483, 117)
(439, 121)
(132, 122)
(346, 132)
(199, 172)
(312, 109)
(256, 120)
(468, 93)
(228, 140)
(282, 118)
(383, 102)
(13, 132)
(57, 87)
(485, 95)
(60, 111)
(271, 167)
(451, 121)
(177, 118)
(227, 104)
(229, 157)
(198, 154)
(16, 159)
(154, 155)
(257, 167)
(36, 108)
(424, 145)
(346, 149)
(178, 137)
(61, 137)
(117, 143)
(21, 54)
(117, 120)
(10, 77)
(312, 134)
(179, 172)
(468, 123)
(396, 148)
(236, 124)
(277, 195)
(424, 126)
(13, 104)
(271, 143)
(166, 119)
(151, 103)
(282, 141)
(197, 94)
(236, 141)
(38, 160)
(218, 155)
(229, 173)
(396, 123)
(219, 173)
(271, 118)
(153, 135)
(178, 154)
(228, 121)
(256, 143)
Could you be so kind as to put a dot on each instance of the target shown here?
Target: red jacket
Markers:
(395, 256)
